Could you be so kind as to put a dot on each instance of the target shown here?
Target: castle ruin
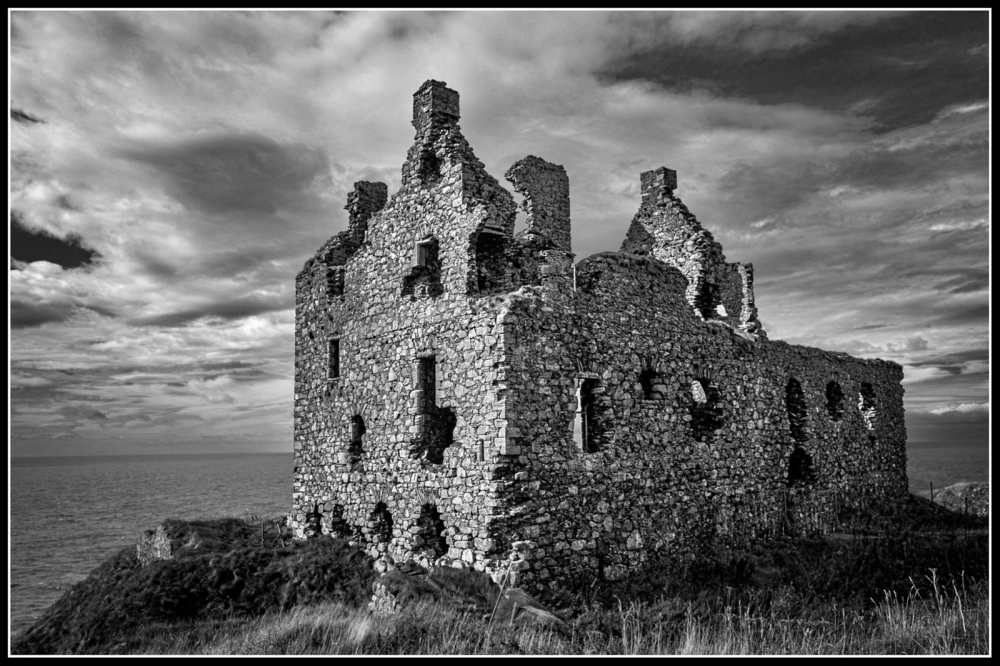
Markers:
(465, 394)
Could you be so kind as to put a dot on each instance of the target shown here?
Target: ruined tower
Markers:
(465, 395)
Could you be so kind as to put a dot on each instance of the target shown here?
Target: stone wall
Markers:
(656, 485)
(466, 396)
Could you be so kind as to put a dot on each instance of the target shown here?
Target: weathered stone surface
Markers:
(154, 545)
(465, 396)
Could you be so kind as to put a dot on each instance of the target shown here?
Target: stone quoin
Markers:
(467, 396)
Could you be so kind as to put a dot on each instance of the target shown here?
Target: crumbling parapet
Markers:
(363, 201)
(366, 199)
(665, 229)
(545, 187)
(435, 117)
(657, 185)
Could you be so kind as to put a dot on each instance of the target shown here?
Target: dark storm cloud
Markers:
(965, 281)
(28, 245)
(775, 189)
(28, 315)
(900, 72)
(959, 358)
(962, 315)
(26, 118)
(241, 176)
(226, 309)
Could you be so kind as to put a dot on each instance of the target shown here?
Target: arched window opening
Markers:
(835, 401)
(800, 469)
(424, 278)
(338, 526)
(866, 403)
(586, 429)
(652, 385)
(381, 523)
(314, 523)
(431, 534)
(356, 448)
(707, 414)
(491, 263)
(795, 404)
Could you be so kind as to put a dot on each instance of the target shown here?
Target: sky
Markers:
(170, 173)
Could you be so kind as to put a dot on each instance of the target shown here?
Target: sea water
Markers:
(70, 514)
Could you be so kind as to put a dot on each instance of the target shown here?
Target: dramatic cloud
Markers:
(29, 246)
(171, 172)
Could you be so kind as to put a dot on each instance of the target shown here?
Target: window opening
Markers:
(431, 534)
(866, 403)
(436, 424)
(427, 384)
(707, 414)
(652, 384)
(334, 359)
(381, 523)
(339, 527)
(835, 400)
(800, 469)
(356, 448)
(335, 282)
(314, 523)
(491, 263)
(586, 431)
(430, 167)
(795, 404)
(424, 278)
(707, 299)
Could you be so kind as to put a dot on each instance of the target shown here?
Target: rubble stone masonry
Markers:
(467, 396)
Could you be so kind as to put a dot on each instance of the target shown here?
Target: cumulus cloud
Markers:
(973, 410)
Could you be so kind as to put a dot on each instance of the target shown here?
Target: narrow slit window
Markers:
(834, 401)
(795, 404)
(335, 282)
(866, 403)
(586, 433)
(427, 384)
(334, 364)
(356, 448)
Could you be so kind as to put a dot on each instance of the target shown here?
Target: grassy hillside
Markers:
(913, 579)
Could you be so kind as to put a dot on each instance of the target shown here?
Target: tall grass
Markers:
(952, 622)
